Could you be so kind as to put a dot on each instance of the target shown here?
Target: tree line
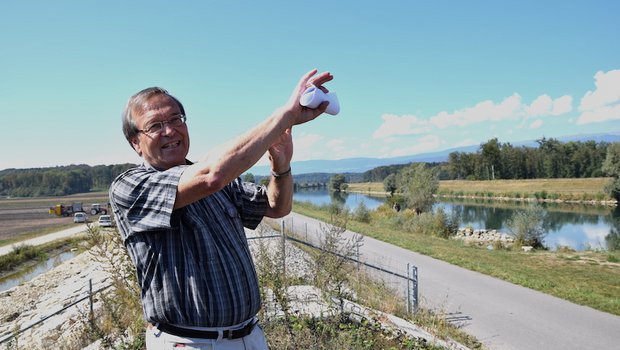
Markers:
(58, 181)
(551, 159)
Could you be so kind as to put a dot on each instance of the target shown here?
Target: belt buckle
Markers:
(228, 334)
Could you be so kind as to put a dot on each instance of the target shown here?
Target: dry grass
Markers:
(569, 189)
(366, 187)
(565, 186)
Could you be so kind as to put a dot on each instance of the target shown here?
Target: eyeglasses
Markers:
(156, 127)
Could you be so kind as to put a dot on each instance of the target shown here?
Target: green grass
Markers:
(21, 255)
(591, 280)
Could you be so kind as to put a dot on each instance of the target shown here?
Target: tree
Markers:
(249, 177)
(418, 185)
(491, 158)
(389, 184)
(336, 182)
(611, 167)
(264, 181)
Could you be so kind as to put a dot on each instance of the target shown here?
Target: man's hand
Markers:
(281, 152)
(304, 114)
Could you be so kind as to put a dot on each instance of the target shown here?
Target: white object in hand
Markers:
(313, 97)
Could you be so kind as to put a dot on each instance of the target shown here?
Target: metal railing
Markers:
(89, 296)
(411, 279)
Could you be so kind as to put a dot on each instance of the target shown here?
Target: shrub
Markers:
(432, 224)
(362, 213)
(526, 226)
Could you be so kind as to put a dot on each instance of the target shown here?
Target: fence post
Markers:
(90, 299)
(412, 288)
(282, 228)
(408, 291)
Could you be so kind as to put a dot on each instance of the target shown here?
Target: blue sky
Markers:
(412, 77)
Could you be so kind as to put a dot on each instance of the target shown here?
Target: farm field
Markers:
(22, 218)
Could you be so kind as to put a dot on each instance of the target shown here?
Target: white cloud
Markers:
(540, 106)
(600, 114)
(424, 144)
(607, 91)
(562, 105)
(335, 144)
(337, 149)
(596, 236)
(602, 104)
(465, 143)
(401, 125)
(545, 105)
(509, 108)
(306, 147)
(536, 124)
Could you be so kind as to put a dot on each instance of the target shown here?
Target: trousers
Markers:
(158, 340)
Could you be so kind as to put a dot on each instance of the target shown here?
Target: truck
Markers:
(99, 208)
(66, 210)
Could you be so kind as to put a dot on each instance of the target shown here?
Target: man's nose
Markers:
(167, 129)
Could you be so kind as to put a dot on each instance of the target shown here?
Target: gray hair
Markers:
(137, 104)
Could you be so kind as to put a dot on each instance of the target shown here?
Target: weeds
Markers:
(118, 323)
(23, 253)
(342, 283)
(19, 255)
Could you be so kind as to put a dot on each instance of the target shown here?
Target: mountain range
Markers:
(359, 165)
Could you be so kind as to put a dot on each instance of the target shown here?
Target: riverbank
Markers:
(590, 278)
(48, 293)
(583, 191)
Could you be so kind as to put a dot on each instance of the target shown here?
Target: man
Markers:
(183, 222)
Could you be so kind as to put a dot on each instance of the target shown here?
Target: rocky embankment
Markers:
(484, 237)
(46, 294)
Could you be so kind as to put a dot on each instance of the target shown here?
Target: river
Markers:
(29, 273)
(577, 226)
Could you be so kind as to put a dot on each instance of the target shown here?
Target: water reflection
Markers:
(350, 200)
(33, 271)
(577, 226)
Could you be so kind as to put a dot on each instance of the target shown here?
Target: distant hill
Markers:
(359, 165)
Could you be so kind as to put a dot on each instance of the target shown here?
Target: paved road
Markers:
(500, 314)
(45, 239)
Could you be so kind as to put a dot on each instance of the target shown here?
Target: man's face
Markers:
(167, 148)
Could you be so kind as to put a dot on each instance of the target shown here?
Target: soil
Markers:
(23, 216)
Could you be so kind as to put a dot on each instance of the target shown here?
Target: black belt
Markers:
(194, 333)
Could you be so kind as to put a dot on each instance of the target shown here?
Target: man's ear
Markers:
(136, 146)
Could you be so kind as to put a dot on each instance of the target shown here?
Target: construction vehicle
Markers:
(66, 210)
(98, 208)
